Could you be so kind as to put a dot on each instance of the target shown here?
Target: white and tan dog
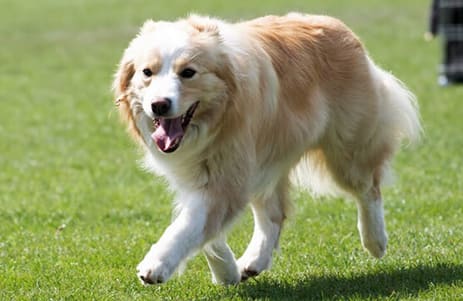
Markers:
(228, 113)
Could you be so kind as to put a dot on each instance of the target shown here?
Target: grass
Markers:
(77, 214)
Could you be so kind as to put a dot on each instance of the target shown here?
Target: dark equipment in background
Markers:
(446, 20)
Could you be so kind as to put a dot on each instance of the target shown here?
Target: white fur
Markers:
(322, 115)
(178, 242)
(222, 262)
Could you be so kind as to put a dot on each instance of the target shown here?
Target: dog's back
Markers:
(334, 104)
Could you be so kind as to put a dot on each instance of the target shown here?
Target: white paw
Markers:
(222, 263)
(153, 271)
(251, 265)
(227, 279)
(377, 245)
(374, 240)
(372, 229)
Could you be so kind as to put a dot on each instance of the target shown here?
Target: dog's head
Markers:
(174, 82)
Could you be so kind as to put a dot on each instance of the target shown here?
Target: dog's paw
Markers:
(247, 273)
(152, 271)
(372, 229)
(230, 279)
(376, 246)
(251, 266)
(374, 240)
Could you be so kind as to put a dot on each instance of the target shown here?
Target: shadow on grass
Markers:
(395, 283)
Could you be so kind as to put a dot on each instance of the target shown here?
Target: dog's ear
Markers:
(121, 85)
(148, 26)
(122, 78)
(204, 24)
(126, 68)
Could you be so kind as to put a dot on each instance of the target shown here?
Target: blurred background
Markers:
(77, 213)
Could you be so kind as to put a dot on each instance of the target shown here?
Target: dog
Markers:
(232, 114)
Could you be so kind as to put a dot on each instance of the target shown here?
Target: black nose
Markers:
(161, 106)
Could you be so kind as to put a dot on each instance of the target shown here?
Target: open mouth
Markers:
(169, 132)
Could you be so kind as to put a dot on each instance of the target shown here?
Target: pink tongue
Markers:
(168, 134)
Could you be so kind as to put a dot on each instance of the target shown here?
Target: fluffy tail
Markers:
(400, 107)
(398, 122)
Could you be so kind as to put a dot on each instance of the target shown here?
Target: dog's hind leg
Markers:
(221, 262)
(362, 181)
(269, 213)
(371, 223)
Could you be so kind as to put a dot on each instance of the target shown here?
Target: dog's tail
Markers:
(398, 122)
(399, 106)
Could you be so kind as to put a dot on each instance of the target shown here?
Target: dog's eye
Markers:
(147, 72)
(187, 73)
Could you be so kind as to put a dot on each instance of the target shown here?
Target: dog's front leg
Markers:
(222, 262)
(184, 236)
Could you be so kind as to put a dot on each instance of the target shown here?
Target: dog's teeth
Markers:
(156, 123)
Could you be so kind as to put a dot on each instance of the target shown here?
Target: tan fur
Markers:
(274, 92)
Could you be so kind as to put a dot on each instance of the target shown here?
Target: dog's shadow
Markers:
(396, 283)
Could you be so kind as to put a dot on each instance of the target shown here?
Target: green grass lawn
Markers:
(77, 214)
